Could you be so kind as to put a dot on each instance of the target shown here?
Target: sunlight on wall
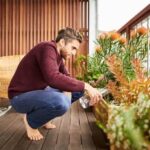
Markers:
(115, 13)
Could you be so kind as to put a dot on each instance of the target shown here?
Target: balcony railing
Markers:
(142, 19)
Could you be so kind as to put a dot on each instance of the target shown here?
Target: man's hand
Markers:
(93, 93)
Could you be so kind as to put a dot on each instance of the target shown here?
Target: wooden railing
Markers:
(24, 23)
(143, 15)
(141, 19)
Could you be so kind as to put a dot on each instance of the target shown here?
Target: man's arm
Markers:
(47, 60)
(49, 67)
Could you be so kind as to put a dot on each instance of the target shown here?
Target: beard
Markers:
(64, 54)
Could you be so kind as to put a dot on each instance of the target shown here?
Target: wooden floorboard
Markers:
(75, 130)
(9, 133)
(86, 133)
(17, 135)
(52, 136)
(63, 135)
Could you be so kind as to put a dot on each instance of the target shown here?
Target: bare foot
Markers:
(49, 125)
(33, 134)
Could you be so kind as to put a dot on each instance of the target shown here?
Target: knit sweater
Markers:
(42, 66)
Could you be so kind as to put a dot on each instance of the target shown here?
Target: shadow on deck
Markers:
(76, 130)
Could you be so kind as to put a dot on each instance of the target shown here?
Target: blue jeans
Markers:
(43, 105)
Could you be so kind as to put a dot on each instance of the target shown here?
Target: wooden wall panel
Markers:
(24, 23)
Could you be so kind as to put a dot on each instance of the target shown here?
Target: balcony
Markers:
(26, 23)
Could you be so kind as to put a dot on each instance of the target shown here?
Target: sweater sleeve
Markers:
(47, 60)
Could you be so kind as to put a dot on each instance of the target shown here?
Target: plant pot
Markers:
(101, 112)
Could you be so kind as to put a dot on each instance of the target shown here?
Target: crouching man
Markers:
(38, 85)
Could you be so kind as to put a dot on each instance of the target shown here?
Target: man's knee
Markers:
(63, 104)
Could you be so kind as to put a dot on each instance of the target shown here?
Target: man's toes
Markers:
(41, 136)
(30, 137)
(37, 138)
(50, 126)
(53, 126)
(33, 138)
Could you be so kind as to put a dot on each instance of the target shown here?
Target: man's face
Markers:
(69, 48)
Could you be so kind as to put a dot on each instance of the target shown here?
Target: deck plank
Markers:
(9, 132)
(14, 139)
(10, 138)
(86, 133)
(75, 130)
(63, 136)
(75, 133)
(23, 144)
(7, 120)
(51, 138)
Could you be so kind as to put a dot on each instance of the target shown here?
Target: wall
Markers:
(24, 23)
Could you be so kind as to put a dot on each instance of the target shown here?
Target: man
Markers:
(37, 86)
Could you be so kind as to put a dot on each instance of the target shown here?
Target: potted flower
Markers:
(118, 65)
(126, 120)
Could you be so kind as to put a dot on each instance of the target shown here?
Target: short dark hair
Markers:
(68, 34)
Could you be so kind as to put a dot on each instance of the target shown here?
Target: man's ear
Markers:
(62, 42)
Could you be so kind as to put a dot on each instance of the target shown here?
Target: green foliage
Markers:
(108, 44)
(129, 126)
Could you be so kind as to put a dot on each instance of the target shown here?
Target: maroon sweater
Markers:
(42, 66)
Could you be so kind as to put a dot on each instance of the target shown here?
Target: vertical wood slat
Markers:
(10, 29)
(21, 26)
(70, 24)
(45, 20)
(25, 23)
(3, 26)
(6, 34)
(41, 21)
(34, 22)
(16, 28)
(13, 31)
(0, 27)
(28, 24)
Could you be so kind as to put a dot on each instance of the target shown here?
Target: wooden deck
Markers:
(76, 130)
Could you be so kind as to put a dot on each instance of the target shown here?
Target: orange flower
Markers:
(123, 49)
(122, 40)
(132, 48)
(102, 36)
(133, 34)
(98, 48)
(142, 31)
(107, 34)
(115, 36)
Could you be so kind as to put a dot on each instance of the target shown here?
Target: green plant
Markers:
(80, 66)
(112, 43)
(129, 126)
(127, 118)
